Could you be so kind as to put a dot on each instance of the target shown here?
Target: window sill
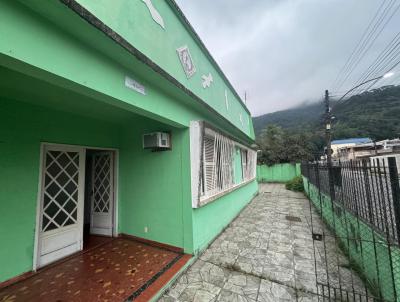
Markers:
(209, 199)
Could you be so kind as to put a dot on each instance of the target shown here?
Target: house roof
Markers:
(357, 140)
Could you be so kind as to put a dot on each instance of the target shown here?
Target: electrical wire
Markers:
(376, 32)
(393, 45)
(349, 60)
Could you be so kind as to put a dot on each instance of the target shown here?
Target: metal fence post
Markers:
(367, 192)
(394, 183)
(331, 182)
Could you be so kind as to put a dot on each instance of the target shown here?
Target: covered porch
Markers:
(49, 135)
(116, 269)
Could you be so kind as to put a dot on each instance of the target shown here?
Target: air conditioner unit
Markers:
(157, 140)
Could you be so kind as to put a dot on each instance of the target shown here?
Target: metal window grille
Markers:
(218, 173)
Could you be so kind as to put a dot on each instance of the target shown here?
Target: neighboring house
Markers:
(345, 143)
(369, 149)
(82, 82)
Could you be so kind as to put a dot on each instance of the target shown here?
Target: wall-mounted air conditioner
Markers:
(157, 141)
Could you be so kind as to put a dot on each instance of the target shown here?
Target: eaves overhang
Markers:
(117, 38)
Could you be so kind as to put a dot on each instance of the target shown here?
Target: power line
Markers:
(371, 29)
(387, 57)
(345, 66)
(375, 33)
(389, 70)
(382, 57)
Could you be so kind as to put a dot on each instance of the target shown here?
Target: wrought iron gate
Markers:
(355, 219)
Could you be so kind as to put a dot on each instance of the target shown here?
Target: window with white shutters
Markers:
(244, 163)
(218, 172)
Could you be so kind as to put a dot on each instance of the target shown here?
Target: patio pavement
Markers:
(266, 256)
(117, 270)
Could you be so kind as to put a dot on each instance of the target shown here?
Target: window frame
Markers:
(222, 180)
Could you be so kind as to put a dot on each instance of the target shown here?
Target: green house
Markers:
(114, 119)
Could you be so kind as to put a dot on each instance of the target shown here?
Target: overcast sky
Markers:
(285, 52)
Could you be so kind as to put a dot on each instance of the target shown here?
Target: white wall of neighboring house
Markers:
(384, 158)
(336, 147)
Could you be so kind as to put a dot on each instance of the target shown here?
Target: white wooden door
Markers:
(101, 222)
(62, 200)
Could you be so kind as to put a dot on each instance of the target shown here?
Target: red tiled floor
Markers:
(92, 241)
(113, 271)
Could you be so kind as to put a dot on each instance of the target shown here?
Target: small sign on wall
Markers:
(134, 85)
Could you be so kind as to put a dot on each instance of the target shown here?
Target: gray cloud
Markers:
(284, 52)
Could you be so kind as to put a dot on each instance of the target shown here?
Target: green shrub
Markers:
(296, 184)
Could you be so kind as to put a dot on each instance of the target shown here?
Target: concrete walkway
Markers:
(267, 254)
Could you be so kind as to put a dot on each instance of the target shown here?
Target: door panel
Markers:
(102, 194)
(61, 211)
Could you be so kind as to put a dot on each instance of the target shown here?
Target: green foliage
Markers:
(373, 114)
(302, 117)
(281, 146)
(296, 184)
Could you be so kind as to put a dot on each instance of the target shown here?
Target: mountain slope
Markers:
(302, 116)
(375, 114)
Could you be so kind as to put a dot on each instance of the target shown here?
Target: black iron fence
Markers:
(360, 202)
(368, 188)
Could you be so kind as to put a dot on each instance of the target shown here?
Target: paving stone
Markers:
(249, 265)
(200, 291)
(242, 284)
(262, 256)
(228, 296)
(167, 298)
(270, 291)
(307, 297)
(279, 274)
(284, 259)
(177, 289)
(220, 259)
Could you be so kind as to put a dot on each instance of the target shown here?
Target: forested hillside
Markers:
(374, 114)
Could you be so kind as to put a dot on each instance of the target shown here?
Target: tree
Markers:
(282, 146)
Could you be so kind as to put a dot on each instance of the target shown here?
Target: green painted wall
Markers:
(132, 20)
(278, 172)
(70, 53)
(22, 128)
(367, 250)
(211, 219)
(59, 53)
(71, 79)
(149, 194)
(154, 190)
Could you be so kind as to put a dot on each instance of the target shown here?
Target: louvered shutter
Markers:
(244, 164)
(209, 164)
(218, 172)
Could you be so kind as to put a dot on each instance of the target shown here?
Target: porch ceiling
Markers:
(21, 87)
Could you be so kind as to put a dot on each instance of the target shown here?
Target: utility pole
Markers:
(328, 134)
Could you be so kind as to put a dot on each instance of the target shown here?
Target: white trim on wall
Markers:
(38, 210)
(195, 159)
